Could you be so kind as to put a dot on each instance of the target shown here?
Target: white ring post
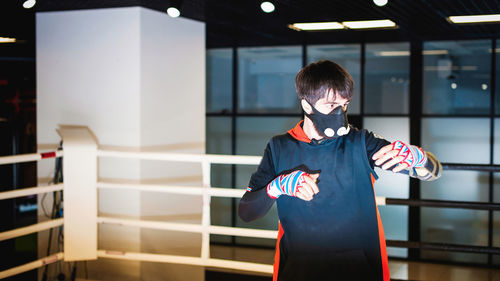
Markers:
(80, 193)
(205, 218)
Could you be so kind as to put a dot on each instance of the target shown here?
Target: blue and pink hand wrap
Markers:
(287, 184)
(414, 156)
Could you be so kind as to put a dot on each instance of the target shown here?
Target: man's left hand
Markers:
(388, 157)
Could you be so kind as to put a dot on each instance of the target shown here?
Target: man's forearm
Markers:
(254, 205)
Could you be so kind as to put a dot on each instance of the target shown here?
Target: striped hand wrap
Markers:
(288, 184)
(414, 156)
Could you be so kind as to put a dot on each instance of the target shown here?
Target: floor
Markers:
(400, 270)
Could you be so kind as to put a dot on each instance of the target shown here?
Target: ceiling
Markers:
(242, 23)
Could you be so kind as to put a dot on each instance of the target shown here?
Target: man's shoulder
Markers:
(355, 133)
(280, 139)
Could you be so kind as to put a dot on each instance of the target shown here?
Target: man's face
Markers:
(331, 101)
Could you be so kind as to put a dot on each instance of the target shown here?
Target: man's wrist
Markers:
(272, 190)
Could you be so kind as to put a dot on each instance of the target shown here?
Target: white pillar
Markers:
(136, 78)
(173, 119)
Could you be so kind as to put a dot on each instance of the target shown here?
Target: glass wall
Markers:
(497, 76)
(387, 82)
(445, 138)
(219, 141)
(219, 80)
(457, 77)
(266, 79)
(456, 126)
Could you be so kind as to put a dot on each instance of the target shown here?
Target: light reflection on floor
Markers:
(402, 270)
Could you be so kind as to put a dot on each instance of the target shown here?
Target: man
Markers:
(321, 175)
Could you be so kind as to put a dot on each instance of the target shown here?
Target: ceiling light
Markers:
(7, 40)
(28, 4)
(394, 53)
(369, 24)
(343, 25)
(380, 3)
(469, 68)
(450, 68)
(407, 53)
(475, 18)
(316, 26)
(435, 52)
(454, 85)
(267, 7)
(484, 87)
(173, 12)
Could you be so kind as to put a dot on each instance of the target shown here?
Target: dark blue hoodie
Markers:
(338, 235)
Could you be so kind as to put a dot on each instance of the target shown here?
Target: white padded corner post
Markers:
(80, 193)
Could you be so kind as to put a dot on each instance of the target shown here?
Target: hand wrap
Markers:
(414, 156)
(287, 184)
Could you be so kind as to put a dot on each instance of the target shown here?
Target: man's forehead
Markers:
(332, 95)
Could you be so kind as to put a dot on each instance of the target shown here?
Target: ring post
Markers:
(80, 193)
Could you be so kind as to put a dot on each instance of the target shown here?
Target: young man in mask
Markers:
(320, 174)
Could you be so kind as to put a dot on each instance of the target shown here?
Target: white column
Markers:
(136, 78)
(172, 119)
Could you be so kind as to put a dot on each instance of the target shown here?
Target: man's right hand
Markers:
(297, 184)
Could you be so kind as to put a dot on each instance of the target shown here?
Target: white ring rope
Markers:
(29, 157)
(205, 228)
(32, 265)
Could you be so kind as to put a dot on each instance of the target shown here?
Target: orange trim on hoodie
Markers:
(298, 133)
(276, 266)
(381, 236)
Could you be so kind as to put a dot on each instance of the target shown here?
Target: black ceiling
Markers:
(242, 23)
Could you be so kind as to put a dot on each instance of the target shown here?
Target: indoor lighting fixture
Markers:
(28, 4)
(454, 85)
(7, 40)
(484, 87)
(407, 53)
(450, 68)
(435, 52)
(346, 24)
(316, 26)
(394, 53)
(380, 3)
(267, 7)
(369, 24)
(475, 18)
(173, 12)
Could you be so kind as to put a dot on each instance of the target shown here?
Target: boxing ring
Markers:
(82, 184)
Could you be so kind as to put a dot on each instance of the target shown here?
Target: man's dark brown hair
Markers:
(315, 79)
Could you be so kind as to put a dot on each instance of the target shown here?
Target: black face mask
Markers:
(331, 125)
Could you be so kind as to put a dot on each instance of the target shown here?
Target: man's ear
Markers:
(306, 106)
